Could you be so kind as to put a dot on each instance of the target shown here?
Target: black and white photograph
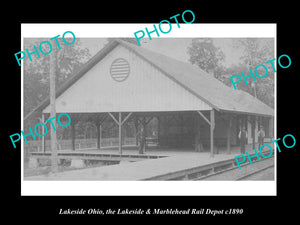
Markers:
(178, 112)
(154, 110)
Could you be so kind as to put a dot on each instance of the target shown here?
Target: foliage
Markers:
(36, 84)
(257, 51)
(36, 72)
(253, 52)
(206, 55)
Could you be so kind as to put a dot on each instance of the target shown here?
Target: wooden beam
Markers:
(229, 135)
(136, 126)
(143, 136)
(158, 129)
(253, 125)
(43, 131)
(202, 115)
(75, 119)
(53, 64)
(100, 137)
(73, 135)
(120, 133)
(112, 116)
(129, 114)
(98, 121)
(98, 126)
(212, 126)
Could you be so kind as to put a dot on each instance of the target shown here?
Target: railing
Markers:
(36, 146)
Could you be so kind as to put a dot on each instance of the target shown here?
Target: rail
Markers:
(254, 172)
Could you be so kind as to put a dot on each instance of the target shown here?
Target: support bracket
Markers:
(202, 115)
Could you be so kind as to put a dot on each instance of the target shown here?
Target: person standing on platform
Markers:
(142, 139)
(261, 135)
(243, 139)
(198, 144)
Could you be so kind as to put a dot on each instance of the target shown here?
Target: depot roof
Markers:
(191, 78)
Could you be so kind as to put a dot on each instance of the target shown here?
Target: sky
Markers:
(172, 47)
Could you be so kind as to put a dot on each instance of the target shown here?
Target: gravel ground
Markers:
(267, 174)
(234, 174)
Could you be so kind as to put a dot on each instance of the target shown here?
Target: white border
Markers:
(134, 188)
(128, 30)
(149, 188)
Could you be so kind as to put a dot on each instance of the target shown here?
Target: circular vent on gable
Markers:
(119, 69)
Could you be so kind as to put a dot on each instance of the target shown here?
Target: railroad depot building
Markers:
(125, 83)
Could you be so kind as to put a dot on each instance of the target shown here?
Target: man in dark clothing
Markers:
(142, 140)
(261, 136)
(198, 144)
(243, 139)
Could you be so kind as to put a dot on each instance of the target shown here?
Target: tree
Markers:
(206, 55)
(53, 67)
(232, 70)
(36, 72)
(256, 51)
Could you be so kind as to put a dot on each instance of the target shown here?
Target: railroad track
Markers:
(234, 173)
(254, 172)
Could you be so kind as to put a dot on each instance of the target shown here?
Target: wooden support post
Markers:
(98, 126)
(143, 136)
(212, 126)
(253, 124)
(98, 122)
(123, 134)
(100, 135)
(54, 163)
(144, 122)
(120, 133)
(229, 135)
(158, 130)
(119, 122)
(136, 125)
(271, 127)
(73, 135)
(43, 138)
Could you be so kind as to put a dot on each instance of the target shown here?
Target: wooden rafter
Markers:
(202, 115)
(112, 116)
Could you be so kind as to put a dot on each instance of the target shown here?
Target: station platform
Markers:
(174, 161)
